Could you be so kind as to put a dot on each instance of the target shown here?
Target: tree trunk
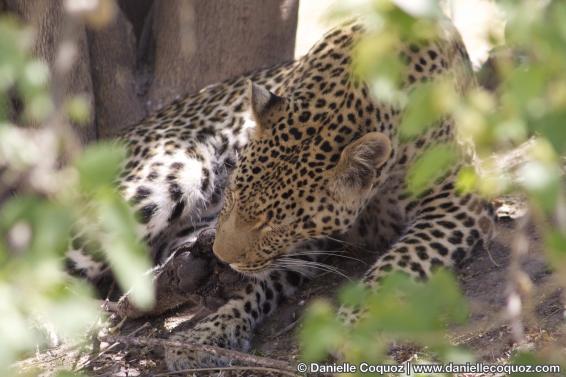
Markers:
(200, 42)
(154, 51)
(113, 69)
(46, 17)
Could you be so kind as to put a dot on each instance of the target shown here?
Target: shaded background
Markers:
(153, 51)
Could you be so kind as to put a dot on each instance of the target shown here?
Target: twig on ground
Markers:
(519, 248)
(118, 326)
(285, 329)
(220, 369)
(112, 346)
(36, 361)
(490, 255)
(216, 351)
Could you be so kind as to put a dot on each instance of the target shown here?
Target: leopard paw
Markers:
(207, 333)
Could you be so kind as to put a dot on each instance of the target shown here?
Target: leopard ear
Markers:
(262, 103)
(358, 164)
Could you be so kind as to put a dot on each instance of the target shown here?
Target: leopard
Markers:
(290, 160)
(325, 159)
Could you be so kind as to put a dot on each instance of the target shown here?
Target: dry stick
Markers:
(96, 346)
(490, 255)
(216, 351)
(519, 248)
(113, 345)
(33, 362)
(220, 369)
(285, 330)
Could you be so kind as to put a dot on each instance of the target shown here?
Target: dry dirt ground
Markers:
(484, 281)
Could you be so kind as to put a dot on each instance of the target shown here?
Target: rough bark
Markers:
(202, 41)
(46, 17)
(113, 68)
(154, 51)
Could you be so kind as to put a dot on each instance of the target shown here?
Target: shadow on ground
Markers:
(484, 281)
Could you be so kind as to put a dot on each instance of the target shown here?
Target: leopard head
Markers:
(298, 178)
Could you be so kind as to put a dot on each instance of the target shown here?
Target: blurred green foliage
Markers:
(529, 102)
(17, 71)
(432, 165)
(46, 199)
(401, 309)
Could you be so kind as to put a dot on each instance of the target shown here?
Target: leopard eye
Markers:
(231, 198)
(262, 225)
(265, 227)
(229, 202)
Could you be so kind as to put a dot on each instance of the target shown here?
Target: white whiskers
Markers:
(307, 268)
(336, 253)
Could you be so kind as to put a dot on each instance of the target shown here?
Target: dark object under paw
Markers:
(193, 275)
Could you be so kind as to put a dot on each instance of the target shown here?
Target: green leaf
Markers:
(50, 224)
(353, 294)
(426, 105)
(78, 109)
(51, 230)
(543, 182)
(100, 165)
(127, 255)
(321, 331)
(527, 358)
(375, 60)
(555, 243)
(552, 126)
(18, 208)
(467, 179)
(433, 164)
(523, 85)
(438, 303)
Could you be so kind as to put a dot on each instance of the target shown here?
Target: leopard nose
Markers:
(225, 253)
(232, 240)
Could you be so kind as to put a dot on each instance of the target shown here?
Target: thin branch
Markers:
(112, 346)
(490, 255)
(519, 248)
(220, 369)
(215, 351)
(285, 330)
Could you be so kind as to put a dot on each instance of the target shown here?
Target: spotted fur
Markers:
(302, 156)
(325, 159)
